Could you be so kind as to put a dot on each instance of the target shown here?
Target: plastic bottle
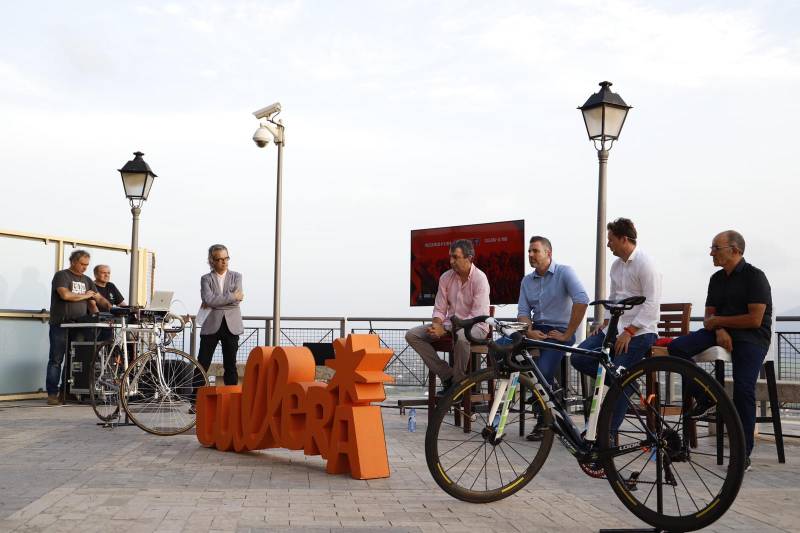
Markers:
(412, 419)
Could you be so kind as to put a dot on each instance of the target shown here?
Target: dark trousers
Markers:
(58, 347)
(549, 360)
(746, 361)
(637, 348)
(230, 345)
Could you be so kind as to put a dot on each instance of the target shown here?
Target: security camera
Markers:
(266, 112)
(262, 136)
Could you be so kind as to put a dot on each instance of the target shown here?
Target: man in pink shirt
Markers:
(463, 292)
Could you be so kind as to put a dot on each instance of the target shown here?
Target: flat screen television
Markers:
(499, 252)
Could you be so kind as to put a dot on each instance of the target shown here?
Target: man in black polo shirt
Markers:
(738, 318)
(102, 279)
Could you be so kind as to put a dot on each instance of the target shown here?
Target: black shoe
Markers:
(536, 434)
(747, 464)
(446, 384)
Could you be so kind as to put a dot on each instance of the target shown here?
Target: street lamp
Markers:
(137, 179)
(270, 129)
(604, 115)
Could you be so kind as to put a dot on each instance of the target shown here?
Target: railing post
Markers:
(193, 339)
(343, 327)
(267, 330)
(778, 354)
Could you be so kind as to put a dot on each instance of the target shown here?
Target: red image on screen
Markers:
(499, 252)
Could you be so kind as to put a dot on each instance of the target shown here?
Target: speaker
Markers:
(80, 368)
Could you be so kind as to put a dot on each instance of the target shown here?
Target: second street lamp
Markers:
(137, 179)
(604, 115)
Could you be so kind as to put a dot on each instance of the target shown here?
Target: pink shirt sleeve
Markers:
(440, 303)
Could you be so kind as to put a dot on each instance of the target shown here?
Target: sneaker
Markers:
(747, 465)
(52, 399)
(536, 434)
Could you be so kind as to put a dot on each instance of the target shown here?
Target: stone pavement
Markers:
(59, 471)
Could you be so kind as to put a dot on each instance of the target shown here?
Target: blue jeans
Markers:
(549, 360)
(746, 360)
(58, 347)
(585, 364)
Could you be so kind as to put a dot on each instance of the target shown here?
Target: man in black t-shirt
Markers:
(738, 318)
(102, 277)
(72, 296)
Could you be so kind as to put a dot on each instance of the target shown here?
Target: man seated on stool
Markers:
(552, 301)
(463, 292)
(633, 273)
(738, 318)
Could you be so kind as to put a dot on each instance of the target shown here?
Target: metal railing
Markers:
(405, 366)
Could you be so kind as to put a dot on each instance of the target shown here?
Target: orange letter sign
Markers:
(280, 405)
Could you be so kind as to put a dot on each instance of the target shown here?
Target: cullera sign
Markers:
(279, 405)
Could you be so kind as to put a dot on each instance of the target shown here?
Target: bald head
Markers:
(732, 238)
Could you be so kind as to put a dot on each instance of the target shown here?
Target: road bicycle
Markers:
(658, 461)
(156, 389)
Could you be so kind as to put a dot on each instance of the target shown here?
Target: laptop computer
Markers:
(160, 302)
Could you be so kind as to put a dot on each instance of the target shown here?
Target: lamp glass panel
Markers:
(615, 118)
(594, 121)
(134, 183)
(148, 183)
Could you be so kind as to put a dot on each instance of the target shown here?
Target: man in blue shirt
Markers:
(553, 301)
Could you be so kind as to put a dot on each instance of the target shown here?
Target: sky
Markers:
(399, 115)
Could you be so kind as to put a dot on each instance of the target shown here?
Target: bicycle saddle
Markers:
(624, 304)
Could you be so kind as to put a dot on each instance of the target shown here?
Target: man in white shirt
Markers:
(632, 274)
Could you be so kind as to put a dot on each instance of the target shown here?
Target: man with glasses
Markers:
(221, 293)
(738, 317)
(73, 296)
(463, 292)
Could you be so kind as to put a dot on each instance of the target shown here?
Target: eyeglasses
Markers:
(218, 259)
(718, 248)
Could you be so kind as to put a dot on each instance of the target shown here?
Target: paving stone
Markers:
(60, 472)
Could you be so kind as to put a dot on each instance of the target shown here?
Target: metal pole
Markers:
(600, 255)
(134, 285)
(276, 301)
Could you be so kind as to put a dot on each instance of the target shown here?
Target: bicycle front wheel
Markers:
(478, 466)
(159, 388)
(679, 459)
(107, 371)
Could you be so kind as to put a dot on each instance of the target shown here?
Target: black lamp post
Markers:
(604, 115)
(137, 179)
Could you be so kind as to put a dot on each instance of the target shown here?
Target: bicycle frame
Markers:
(581, 445)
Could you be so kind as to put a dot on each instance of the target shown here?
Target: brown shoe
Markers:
(52, 399)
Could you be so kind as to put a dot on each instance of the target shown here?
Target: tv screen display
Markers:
(499, 252)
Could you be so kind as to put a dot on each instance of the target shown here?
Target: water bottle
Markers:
(412, 420)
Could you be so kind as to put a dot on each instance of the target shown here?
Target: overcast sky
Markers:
(400, 115)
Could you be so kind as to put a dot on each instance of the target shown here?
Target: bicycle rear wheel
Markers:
(683, 468)
(107, 371)
(158, 390)
(476, 466)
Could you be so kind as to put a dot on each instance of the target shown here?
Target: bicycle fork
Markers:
(505, 389)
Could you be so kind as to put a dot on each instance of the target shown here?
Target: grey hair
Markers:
(214, 248)
(98, 267)
(466, 247)
(77, 255)
(544, 240)
(735, 239)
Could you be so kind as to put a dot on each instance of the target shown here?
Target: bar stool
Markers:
(719, 356)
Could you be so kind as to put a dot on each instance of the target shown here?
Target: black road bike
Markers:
(676, 462)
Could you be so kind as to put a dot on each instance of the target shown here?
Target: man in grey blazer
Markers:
(221, 293)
